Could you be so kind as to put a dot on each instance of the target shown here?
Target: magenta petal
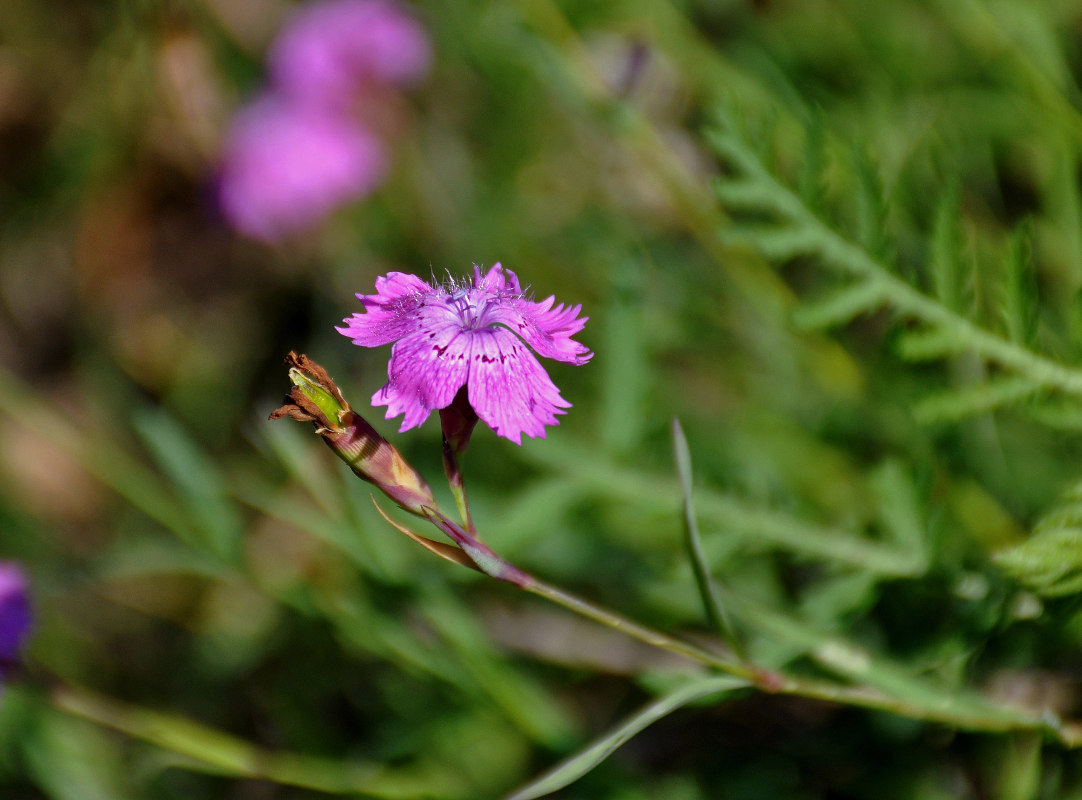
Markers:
(547, 330)
(509, 389)
(492, 281)
(427, 368)
(393, 312)
(394, 286)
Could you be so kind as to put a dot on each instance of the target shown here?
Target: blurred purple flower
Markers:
(15, 617)
(327, 50)
(313, 142)
(286, 166)
(471, 333)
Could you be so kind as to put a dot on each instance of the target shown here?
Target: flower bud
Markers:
(316, 398)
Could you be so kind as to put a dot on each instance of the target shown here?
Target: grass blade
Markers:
(574, 767)
(714, 611)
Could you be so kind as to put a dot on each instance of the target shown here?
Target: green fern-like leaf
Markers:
(1049, 562)
(944, 318)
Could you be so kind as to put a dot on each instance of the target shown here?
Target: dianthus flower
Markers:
(15, 616)
(471, 333)
(326, 50)
(286, 166)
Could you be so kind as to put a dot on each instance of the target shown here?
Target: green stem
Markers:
(457, 483)
(635, 630)
(941, 705)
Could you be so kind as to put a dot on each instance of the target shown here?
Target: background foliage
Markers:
(841, 241)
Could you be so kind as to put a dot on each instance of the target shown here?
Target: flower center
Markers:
(471, 313)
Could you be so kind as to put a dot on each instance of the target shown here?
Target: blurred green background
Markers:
(192, 560)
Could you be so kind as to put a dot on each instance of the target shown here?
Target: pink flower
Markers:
(328, 49)
(475, 333)
(285, 167)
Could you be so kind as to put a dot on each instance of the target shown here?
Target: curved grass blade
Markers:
(714, 610)
(573, 768)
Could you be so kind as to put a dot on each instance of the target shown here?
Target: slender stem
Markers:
(931, 705)
(457, 483)
(457, 421)
(635, 630)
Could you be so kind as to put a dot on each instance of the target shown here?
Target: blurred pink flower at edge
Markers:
(328, 48)
(308, 146)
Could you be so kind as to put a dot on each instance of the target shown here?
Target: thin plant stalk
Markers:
(457, 483)
(944, 706)
(458, 421)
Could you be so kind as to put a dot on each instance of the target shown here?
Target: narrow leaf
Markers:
(69, 759)
(1061, 413)
(778, 244)
(449, 552)
(1067, 515)
(714, 611)
(969, 401)
(766, 527)
(730, 148)
(743, 194)
(573, 768)
(811, 175)
(871, 208)
(900, 507)
(928, 344)
(198, 481)
(840, 306)
(946, 256)
(1019, 301)
(625, 378)
(198, 746)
